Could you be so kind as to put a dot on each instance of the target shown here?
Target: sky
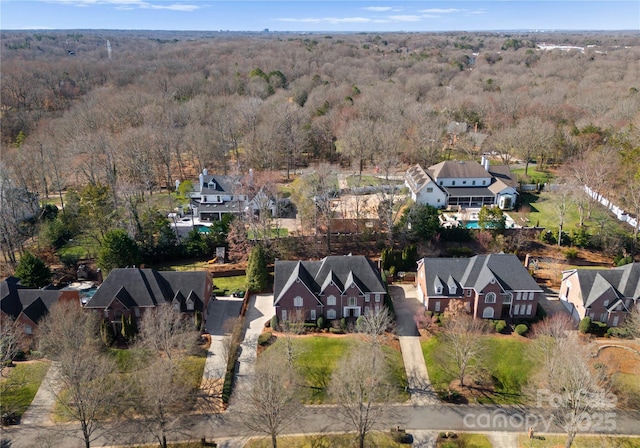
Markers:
(320, 16)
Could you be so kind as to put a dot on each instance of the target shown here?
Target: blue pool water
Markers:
(203, 229)
(472, 225)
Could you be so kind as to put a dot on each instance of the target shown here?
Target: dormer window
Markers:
(452, 289)
(190, 305)
(438, 289)
(212, 185)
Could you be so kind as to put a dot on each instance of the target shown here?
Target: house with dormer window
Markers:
(217, 195)
(495, 286)
(605, 295)
(464, 184)
(334, 287)
(132, 291)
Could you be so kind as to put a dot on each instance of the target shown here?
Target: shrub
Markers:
(521, 329)
(320, 322)
(267, 324)
(275, 323)
(343, 324)
(264, 338)
(585, 325)
(336, 330)
(500, 326)
(492, 325)
(571, 253)
(359, 322)
(581, 237)
(219, 292)
(619, 332)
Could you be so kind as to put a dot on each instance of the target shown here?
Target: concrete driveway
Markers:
(220, 311)
(406, 305)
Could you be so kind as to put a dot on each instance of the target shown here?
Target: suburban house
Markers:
(495, 286)
(217, 195)
(334, 287)
(462, 184)
(131, 291)
(29, 305)
(605, 295)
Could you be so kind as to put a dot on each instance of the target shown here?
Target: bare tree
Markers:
(161, 395)
(463, 339)
(550, 333)
(573, 391)
(360, 388)
(84, 384)
(166, 331)
(11, 340)
(562, 200)
(292, 327)
(632, 322)
(271, 404)
(375, 326)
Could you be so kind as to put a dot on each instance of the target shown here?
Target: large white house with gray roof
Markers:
(217, 195)
(605, 295)
(495, 286)
(334, 287)
(465, 184)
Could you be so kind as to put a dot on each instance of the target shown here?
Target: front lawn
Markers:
(374, 439)
(20, 386)
(230, 284)
(506, 362)
(465, 441)
(533, 176)
(318, 356)
(548, 441)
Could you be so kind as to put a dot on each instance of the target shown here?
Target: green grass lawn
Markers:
(374, 439)
(318, 357)
(81, 247)
(465, 441)
(506, 362)
(279, 232)
(534, 175)
(21, 385)
(237, 283)
(545, 441)
(368, 180)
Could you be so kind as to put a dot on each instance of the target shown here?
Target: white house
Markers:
(217, 195)
(462, 183)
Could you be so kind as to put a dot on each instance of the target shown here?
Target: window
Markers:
(312, 314)
(352, 301)
(453, 182)
(473, 182)
(176, 306)
(484, 182)
(440, 182)
(528, 309)
(136, 311)
(518, 295)
(452, 289)
(429, 190)
(531, 294)
(603, 317)
(464, 182)
(377, 297)
(493, 280)
(367, 297)
(331, 300)
(437, 306)
(190, 305)
(516, 310)
(606, 303)
(367, 310)
(106, 313)
(438, 289)
(490, 297)
(297, 301)
(28, 329)
(509, 297)
(331, 314)
(468, 293)
(487, 313)
(377, 308)
(284, 314)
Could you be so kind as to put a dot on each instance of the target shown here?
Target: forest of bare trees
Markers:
(162, 106)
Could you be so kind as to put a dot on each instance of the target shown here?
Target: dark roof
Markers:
(458, 170)
(317, 275)
(223, 184)
(476, 272)
(456, 192)
(148, 287)
(623, 280)
(35, 303)
(226, 207)
(503, 173)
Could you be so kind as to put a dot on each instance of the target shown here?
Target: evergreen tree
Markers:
(257, 273)
(32, 271)
(118, 250)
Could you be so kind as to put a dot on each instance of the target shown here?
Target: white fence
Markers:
(620, 213)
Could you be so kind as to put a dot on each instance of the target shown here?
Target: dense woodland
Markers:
(159, 106)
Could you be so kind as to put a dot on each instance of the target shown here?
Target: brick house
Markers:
(605, 295)
(132, 291)
(29, 305)
(495, 286)
(334, 287)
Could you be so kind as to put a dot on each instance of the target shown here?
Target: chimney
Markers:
(204, 171)
(482, 161)
(486, 164)
(201, 178)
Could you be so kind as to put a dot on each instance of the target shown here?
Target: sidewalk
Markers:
(39, 411)
(259, 311)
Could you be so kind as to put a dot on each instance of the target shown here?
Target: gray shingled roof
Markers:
(224, 184)
(624, 280)
(476, 272)
(454, 169)
(35, 303)
(342, 269)
(147, 287)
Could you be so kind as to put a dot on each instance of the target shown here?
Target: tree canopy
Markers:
(118, 250)
(32, 271)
